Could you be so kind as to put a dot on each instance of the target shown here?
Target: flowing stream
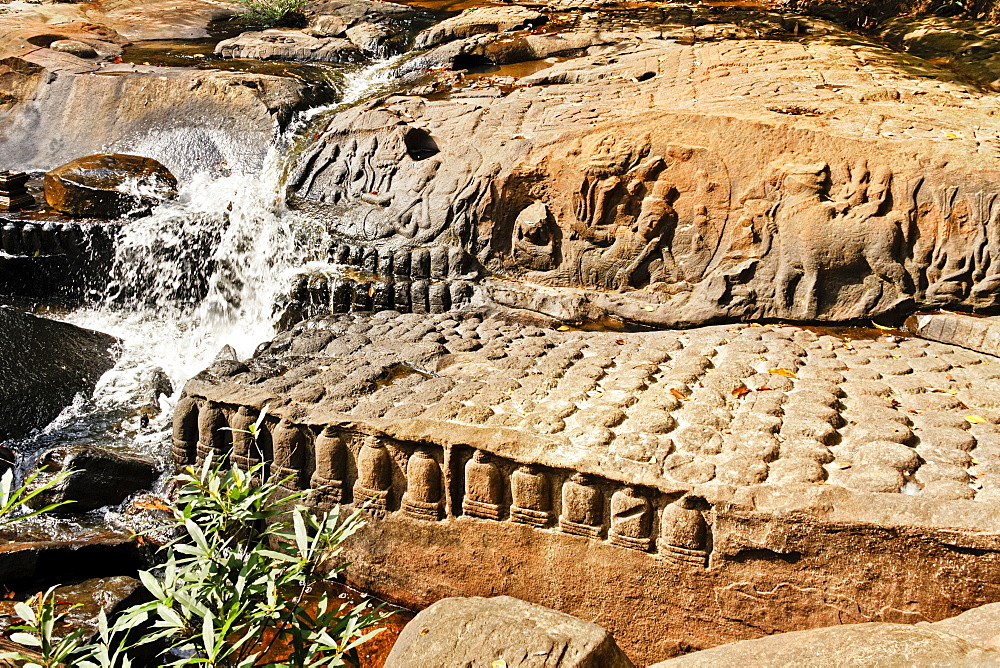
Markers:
(201, 272)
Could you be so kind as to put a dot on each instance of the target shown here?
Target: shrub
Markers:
(271, 12)
(234, 584)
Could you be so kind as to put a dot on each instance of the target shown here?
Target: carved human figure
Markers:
(185, 432)
(635, 244)
(422, 499)
(531, 495)
(534, 239)
(327, 481)
(214, 439)
(374, 473)
(582, 507)
(683, 532)
(483, 489)
(631, 519)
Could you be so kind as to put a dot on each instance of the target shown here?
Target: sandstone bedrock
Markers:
(681, 488)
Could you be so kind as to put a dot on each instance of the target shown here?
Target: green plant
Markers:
(37, 631)
(12, 498)
(235, 585)
(270, 12)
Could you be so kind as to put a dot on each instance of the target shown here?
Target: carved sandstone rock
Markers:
(676, 184)
(108, 185)
(703, 485)
(502, 630)
(851, 645)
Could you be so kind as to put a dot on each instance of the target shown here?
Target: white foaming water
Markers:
(201, 272)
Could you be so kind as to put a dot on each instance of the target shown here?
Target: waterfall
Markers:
(200, 272)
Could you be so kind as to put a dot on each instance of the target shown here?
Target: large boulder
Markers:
(43, 365)
(279, 44)
(108, 185)
(969, 639)
(477, 21)
(98, 477)
(485, 632)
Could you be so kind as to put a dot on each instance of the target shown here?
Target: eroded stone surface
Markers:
(479, 631)
(674, 184)
(277, 44)
(746, 467)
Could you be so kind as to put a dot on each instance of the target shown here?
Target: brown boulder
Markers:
(484, 632)
(850, 645)
(277, 44)
(108, 185)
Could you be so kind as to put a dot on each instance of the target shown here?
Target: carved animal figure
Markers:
(815, 234)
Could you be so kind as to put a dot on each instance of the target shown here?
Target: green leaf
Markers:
(26, 639)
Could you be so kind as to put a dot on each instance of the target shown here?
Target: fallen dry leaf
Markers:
(741, 392)
(152, 504)
(782, 372)
(563, 328)
(677, 393)
(975, 419)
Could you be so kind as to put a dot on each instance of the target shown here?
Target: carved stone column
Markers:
(683, 533)
(483, 489)
(374, 474)
(422, 499)
(532, 497)
(583, 507)
(631, 519)
(185, 436)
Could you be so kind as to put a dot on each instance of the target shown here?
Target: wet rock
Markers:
(108, 185)
(277, 44)
(479, 20)
(99, 477)
(851, 645)
(86, 600)
(36, 556)
(201, 118)
(478, 631)
(73, 47)
(43, 365)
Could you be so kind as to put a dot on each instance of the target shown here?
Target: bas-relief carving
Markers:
(424, 490)
(285, 447)
(374, 481)
(330, 475)
(619, 217)
(770, 606)
(214, 439)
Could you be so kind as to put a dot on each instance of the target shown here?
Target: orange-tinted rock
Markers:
(108, 185)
